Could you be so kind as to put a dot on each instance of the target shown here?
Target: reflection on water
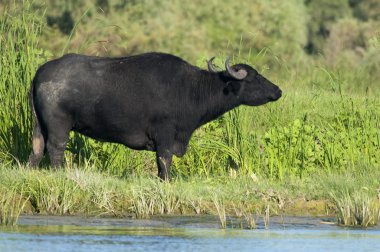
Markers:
(181, 234)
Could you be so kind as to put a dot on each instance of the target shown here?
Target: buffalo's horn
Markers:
(210, 65)
(239, 75)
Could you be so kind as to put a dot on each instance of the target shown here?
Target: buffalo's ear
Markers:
(232, 86)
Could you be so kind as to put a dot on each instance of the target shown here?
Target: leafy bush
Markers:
(323, 13)
(349, 42)
(366, 9)
(189, 30)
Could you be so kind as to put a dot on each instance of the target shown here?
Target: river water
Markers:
(36, 233)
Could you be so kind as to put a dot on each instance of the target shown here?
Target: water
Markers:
(182, 234)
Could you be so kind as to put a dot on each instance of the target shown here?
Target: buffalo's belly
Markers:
(137, 140)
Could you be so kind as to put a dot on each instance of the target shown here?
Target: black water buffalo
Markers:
(152, 101)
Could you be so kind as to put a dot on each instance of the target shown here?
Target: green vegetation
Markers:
(86, 191)
(320, 142)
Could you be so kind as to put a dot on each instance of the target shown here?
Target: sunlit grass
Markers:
(85, 191)
(12, 203)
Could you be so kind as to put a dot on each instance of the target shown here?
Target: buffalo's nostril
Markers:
(276, 95)
(279, 93)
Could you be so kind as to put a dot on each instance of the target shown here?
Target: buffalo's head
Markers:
(247, 84)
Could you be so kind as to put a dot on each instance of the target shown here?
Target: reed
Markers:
(356, 209)
(266, 216)
(12, 204)
(244, 212)
(143, 203)
(221, 211)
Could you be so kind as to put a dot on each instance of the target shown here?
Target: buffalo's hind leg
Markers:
(57, 138)
(56, 153)
(38, 146)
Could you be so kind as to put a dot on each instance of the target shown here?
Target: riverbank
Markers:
(86, 192)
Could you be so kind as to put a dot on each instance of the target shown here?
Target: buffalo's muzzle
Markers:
(276, 94)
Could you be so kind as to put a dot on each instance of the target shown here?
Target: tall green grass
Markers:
(19, 59)
(298, 135)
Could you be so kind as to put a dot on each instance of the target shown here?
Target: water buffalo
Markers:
(153, 101)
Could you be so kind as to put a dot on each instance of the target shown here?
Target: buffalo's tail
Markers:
(38, 139)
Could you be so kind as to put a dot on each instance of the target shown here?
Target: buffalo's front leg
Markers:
(164, 150)
(164, 160)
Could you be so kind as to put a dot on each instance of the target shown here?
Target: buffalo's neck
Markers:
(213, 102)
